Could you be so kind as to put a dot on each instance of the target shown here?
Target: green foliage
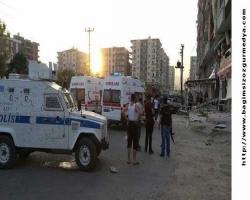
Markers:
(4, 48)
(19, 64)
(64, 77)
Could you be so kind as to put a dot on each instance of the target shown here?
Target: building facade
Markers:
(73, 59)
(171, 78)
(214, 49)
(150, 63)
(21, 45)
(115, 60)
(4, 48)
(164, 71)
(193, 68)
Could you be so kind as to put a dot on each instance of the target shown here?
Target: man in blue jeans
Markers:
(166, 127)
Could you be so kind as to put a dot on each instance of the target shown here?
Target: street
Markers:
(199, 168)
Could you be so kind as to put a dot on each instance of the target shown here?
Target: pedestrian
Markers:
(165, 123)
(149, 114)
(139, 103)
(156, 107)
(132, 132)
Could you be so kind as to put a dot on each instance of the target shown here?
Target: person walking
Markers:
(165, 123)
(149, 114)
(132, 132)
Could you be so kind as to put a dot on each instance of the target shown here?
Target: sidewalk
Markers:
(202, 155)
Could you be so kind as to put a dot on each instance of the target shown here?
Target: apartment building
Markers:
(150, 63)
(214, 50)
(115, 59)
(164, 71)
(73, 59)
(27, 47)
(171, 78)
(193, 68)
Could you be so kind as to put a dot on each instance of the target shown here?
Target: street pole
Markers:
(182, 48)
(180, 66)
(89, 30)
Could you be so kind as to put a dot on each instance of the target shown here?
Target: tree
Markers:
(64, 77)
(19, 64)
(4, 48)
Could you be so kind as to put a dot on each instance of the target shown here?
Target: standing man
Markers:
(166, 125)
(149, 114)
(132, 134)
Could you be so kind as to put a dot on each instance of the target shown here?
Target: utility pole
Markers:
(89, 30)
(180, 66)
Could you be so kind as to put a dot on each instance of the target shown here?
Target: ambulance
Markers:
(116, 95)
(37, 115)
(87, 92)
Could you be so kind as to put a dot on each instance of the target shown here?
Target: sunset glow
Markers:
(96, 63)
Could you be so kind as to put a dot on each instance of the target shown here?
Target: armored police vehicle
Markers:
(38, 115)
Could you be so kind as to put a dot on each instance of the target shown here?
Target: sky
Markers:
(60, 24)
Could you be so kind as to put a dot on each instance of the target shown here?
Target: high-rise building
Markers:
(25, 46)
(164, 71)
(150, 63)
(193, 68)
(213, 50)
(73, 59)
(115, 59)
(171, 78)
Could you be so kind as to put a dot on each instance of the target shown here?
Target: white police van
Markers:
(39, 115)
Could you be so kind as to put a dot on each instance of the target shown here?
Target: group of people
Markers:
(153, 112)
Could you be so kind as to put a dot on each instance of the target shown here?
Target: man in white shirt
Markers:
(132, 133)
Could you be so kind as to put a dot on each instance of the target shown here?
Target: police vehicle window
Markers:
(52, 102)
(11, 90)
(26, 90)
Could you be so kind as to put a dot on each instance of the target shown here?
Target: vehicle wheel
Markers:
(7, 153)
(24, 153)
(86, 154)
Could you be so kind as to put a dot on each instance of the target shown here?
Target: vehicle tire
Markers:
(7, 153)
(86, 154)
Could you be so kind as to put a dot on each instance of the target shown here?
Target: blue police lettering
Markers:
(7, 118)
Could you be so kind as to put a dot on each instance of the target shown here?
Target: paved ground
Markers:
(199, 168)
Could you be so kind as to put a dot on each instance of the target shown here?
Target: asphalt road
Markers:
(199, 168)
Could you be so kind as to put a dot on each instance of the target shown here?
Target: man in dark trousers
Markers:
(165, 123)
(149, 114)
